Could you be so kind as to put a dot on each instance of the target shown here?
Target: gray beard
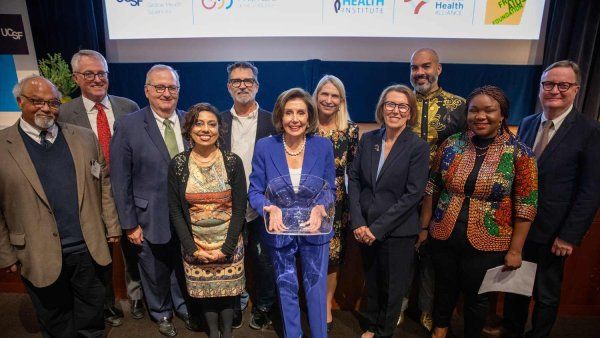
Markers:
(43, 122)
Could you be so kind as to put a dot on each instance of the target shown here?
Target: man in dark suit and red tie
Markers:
(566, 144)
(97, 110)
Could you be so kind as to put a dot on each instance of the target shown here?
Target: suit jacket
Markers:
(28, 229)
(74, 111)
(569, 179)
(139, 166)
(264, 126)
(388, 204)
(269, 162)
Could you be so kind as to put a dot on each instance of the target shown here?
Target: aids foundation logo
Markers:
(358, 7)
(504, 12)
(217, 4)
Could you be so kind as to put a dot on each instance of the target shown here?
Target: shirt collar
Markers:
(253, 114)
(559, 120)
(172, 118)
(34, 132)
(90, 105)
(430, 94)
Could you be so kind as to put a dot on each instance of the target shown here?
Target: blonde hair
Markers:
(341, 116)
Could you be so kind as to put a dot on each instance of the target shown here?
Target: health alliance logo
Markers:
(217, 4)
(440, 7)
(358, 7)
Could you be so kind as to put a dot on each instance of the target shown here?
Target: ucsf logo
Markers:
(9, 32)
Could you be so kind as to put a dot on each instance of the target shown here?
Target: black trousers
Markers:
(387, 273)
(460, 268)
(132, 274)
(72, 306)
(546, 292)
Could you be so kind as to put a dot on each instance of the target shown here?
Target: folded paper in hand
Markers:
(518, 281)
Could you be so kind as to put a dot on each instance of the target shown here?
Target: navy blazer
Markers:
(388, 204)
(264, 126)
(269, 162)
(139, 166)
(568, 178)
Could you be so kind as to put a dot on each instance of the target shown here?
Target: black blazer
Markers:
(388, 204)
(264, 126)
(179, 208)
(568, 178)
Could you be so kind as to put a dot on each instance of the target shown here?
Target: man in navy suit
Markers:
(141, 149)
(246, 123)
(566, 144)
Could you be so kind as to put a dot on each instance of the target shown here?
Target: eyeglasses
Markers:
(562, 86)
(390, 106)
(52, 104)
(236, 83)
(90, 76)
(161, 88)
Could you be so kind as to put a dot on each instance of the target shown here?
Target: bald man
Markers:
(56, 213)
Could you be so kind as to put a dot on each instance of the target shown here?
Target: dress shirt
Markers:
(176, 127)
(34, 132)
(381, 155)
(92, 113)
(557, 122)
(243, 138)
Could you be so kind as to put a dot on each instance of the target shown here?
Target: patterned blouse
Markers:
(506, 188)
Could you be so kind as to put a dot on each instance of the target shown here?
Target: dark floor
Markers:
(18, 320)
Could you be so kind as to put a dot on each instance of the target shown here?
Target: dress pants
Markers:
(132, 274)
(546, 292)
(313, 261)
(264, 280)
(387, 273)
(72, 306)
(460, 268)
(424, 280)
(163, 281)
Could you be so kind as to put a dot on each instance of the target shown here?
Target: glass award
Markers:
(296, 197)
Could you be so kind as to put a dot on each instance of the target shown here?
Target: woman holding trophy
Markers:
(292, 156)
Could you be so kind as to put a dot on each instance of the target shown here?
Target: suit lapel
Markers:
(375, 153)
(79, 159)
(16, 148)
(81, 114)
(278, 157)
(396, 150)
(227, 121)
(530, 133)
(155, 135)
(310, 156)
(116, 109)
(557, 138)
(181, 116)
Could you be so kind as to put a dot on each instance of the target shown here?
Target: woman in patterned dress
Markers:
(207, 204)
(335, 124)
(480, 199)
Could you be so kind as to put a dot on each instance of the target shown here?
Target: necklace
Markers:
(482, 154)
(206, 160)
(481, 148)
(289, 151)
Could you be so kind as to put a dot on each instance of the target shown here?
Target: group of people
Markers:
(441, 192)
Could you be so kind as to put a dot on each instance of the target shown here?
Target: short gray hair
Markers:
(87, 53)
(566, 64)
(158, 67)
(243, 65)
(18, 88)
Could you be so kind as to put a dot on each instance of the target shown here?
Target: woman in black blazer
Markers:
(386, 184)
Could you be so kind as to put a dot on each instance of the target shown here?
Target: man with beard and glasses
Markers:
(56, 213)
(97, 110)
(441, 114)
(245, 123)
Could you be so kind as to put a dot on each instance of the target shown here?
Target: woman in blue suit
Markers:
(295, 151)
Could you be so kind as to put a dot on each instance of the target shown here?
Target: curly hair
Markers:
(499, 96)
(192, 115)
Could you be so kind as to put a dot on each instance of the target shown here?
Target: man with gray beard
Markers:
(441, 114)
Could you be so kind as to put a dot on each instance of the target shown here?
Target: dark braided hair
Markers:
(497, 94)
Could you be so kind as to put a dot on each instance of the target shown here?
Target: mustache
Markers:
(422, 76)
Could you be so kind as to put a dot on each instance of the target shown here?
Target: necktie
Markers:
(541, 145)
(170, 140)
(43, 141)
(103, 132)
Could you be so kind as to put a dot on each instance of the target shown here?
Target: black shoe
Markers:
(190, 323)
(166, 327)
(329, 327)
(259, 319)
(137, 309)
(113, 316)
(237, 319)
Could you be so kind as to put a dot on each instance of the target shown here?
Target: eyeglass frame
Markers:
(172, 89)
(240, 81)
(36, 102)
(101, 75)
(396, 105)
(557, 85)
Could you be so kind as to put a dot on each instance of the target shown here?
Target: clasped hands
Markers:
(364, 235)
(276, 218)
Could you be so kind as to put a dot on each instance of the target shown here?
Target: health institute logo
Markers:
(358, 7)
(217, 4)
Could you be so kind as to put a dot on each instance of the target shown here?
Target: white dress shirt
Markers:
(92, 113)
(176, 127)
(557, 123)
(34, 133)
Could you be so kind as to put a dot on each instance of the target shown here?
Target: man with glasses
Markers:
(97, 110)
(441, 114)
(246, 123)
(56, 213)
(566, 144)
(142, 147)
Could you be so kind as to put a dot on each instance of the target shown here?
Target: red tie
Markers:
(103, 132)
